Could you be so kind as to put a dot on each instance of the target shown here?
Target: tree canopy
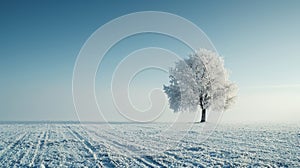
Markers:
(200, 80)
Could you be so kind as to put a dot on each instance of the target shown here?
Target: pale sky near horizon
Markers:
(40, 40)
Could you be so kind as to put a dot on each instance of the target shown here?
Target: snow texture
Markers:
(99, 145)
(201, 80)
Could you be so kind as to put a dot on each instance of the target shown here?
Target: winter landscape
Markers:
(98, 145)
(141, 83)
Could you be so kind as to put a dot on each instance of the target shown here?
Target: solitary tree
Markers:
(200, 82)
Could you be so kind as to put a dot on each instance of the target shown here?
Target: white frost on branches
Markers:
(201, 80)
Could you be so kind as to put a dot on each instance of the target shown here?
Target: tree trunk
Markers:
(203, 115)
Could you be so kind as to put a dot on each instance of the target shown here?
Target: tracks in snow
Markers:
(123, 148)
(72, 145)
(88, 146)
(12, 151)
(37, 152)
(98, 147)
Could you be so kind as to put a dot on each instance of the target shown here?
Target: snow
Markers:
(146, 145)
(201, 80)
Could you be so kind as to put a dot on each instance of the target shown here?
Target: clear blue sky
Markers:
(40, 40)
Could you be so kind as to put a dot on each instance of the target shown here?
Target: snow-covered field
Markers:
(99, 145)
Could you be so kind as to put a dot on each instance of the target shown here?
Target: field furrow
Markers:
(147, 145)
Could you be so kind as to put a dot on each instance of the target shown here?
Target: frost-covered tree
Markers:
(200, 82)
